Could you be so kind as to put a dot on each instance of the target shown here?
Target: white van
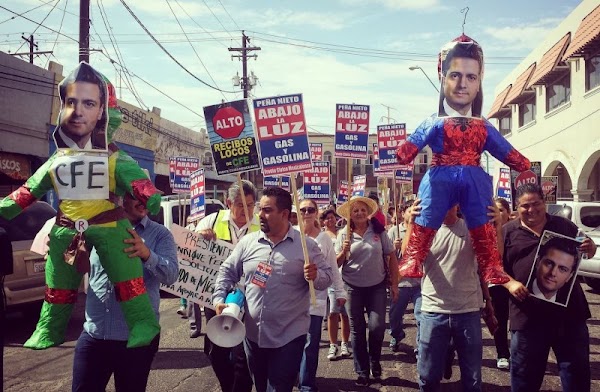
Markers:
(586, 215)
(169, 209)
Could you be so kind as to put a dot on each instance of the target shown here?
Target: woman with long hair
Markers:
(310, 359)
(367, 258)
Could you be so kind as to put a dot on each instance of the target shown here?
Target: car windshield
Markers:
(560, 210)
(590, 216)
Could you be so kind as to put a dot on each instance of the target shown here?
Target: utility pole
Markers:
(246, 86)
(84, 31)
(31, 46)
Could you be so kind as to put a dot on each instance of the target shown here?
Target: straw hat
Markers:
(345, 209)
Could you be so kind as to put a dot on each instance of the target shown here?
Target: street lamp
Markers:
(430, 81)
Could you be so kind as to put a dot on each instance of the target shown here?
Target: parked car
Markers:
(170, 205)
(586, 215)
(27, 282)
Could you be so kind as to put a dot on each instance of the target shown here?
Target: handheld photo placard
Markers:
(83, 119)
(554, 271)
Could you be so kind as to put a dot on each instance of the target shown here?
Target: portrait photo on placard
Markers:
(83, 117)
(555, 268)
(461, 75)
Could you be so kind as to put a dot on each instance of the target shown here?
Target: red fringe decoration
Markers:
(488, 256)
(60, 296)
(129, 289)
(411, 265)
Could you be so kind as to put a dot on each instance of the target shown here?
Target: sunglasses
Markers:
(308, 210)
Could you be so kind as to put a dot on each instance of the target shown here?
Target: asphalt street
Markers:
(180, 364)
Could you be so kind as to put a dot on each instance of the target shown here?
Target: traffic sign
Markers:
(228, 122)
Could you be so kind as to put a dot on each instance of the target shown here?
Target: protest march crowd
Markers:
(451, 250)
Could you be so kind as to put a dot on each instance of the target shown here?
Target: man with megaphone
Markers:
(270, 264)
(231, 225)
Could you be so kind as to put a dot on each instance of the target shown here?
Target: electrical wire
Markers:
(168, 53)
(228, 14)
(59, 29)
(216, 17)
(38, 26)
(194, 49)
(115, 46)
(23, 13)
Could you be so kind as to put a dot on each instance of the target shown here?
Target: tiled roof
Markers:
(499, 102)
(547, 65)
(585, 39)
(516, 92)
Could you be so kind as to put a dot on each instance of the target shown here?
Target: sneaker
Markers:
(362, 381)
(194, 333)
(502, 363)
(376, 371)
(394, 345)
(345, 350)
(182, 311)
(332, 354)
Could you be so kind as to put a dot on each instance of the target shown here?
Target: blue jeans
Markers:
(373, 300)
(275, 369)
(95, 360)
(437, 331)
(310, 357)
(529, 355)
(397, 309)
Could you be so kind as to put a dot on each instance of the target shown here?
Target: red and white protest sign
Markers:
(359, 185)
(352, 131)
(526, 177)
(316, 151)
(389, 138)
(342, 192)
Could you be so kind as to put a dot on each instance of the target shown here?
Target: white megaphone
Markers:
(226, 329)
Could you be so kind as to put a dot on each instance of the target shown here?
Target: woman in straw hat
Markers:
(366, 256)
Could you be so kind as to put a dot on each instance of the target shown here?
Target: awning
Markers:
(517, 93)
(498, 104)
(548, 65)
(586, 40)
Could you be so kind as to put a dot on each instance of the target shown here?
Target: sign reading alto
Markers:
(389, 138)
(316, 182)
(282, 134)
(351, 131)
(231, 137)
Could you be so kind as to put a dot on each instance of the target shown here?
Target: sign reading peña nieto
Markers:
(282, 134)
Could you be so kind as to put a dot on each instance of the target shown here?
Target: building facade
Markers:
(548, 107)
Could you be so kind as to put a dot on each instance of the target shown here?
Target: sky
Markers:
(331, 51)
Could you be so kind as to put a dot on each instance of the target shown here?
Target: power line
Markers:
(193, 48)
(59, 29)
(151, 85)
(216, 17)
(23, 13)
(197, 24)
(168, 53)
(41, 25)
(228, 14)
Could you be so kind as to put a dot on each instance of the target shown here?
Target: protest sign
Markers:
(197, 193)
(554, 272)
(377, 170)
(282, 134)
(316, 151)
(184, 166)
(199, 262)
(342, 196)
(280, 181)
(404, 175)
(351, 131)
(316, 182)
(171, 170)
(503, 187)
(531, 176)
(389, 138)
(231, 137)
(549, 188)
(358, 185)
